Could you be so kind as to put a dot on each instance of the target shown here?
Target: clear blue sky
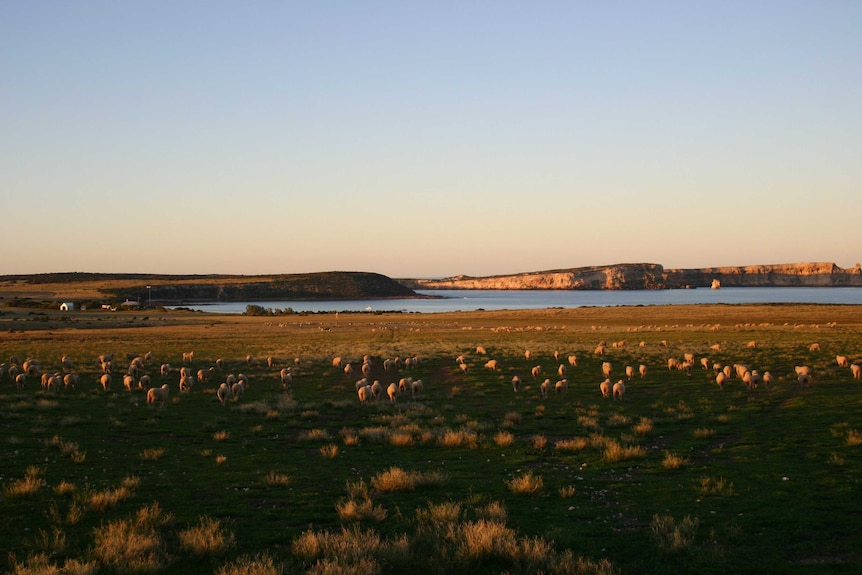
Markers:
(427, 138)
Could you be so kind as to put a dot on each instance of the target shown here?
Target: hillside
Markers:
(655, 276)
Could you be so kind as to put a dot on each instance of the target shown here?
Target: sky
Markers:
(427, 139)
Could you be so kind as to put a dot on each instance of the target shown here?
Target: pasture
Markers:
(468, 476)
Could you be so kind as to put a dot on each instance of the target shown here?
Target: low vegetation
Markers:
(469, 476)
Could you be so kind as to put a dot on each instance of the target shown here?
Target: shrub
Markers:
(30, 484)
(208, 537)
(525, 484)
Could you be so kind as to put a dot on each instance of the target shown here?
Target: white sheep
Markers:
(688, 357)
(188, 356)
(67, 362)
(158, 394)
(223, 393)
(727, 371)
(767, 379)
(561, 371)
(338, 362)
(573, 361)
(516, 383)
(605, 388)
(480, 350)
(364, 393)
(748, 380)
(672, 363)
(361, 383)
(856, 371)
(185, 372)
(545, 388)
(405, 383)
(491, 364)
(606, 369)
(463, 367)
(720, 379)
(642, 369)
(527, 355)
(204, 375)
(387, 364)
(128, 382)
(841, 360)
(704, 363)
(237, 390)
(249, 359)
(377, 389)
(20, 380)
(802, 369)
(286, 377)
(804, 379)
(105, 380)
(219, 364)
(70, 380)
(619, 389)
(348, 370)
(186, 384)
(417, 388)
(814, 347)
(536, 371)
(556, 355)
(630, 372)
(392, 392)
(751, 344)
(561, 387)
(145, 382)
(107, 366)
(165, 369)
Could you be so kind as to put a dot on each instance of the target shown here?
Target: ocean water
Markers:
(470, 300)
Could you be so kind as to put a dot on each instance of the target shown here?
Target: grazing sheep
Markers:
(286, 377)
(856, 371)
(605, 388)
(561, 371)
(573, 361)
(186, 384)
(417, 388)
(841, 360)
(720, 378)
(561, 387)
(804, 379)
(814, 347)
(102, 358)
(364, 393)
(715, 347)
(600, 349)
(767, 379)
(387, 364)
(481, 350)
(672, 363)
(128, 382)
(756, 378)
(361, 383)
(747, 380)
(606, 369)
(67, 362)
(800, 369)
(185, 372)
(158, 394)
(249, 359)
(376, 389)
(348, 370)
(716, 367)
(619, 389)
(751, 344)
(556, 355)
(491, 364)
(70, 380)
(704, 363)
(219, 363)
(392, 392)
(237, 390)
(165, 369)
(463, 367)
(338, 362)
(527, 355)
(536, 371)
(188, 356)
(642, 370)
(688, 357)
(516, 383)
(144, 382)
(230, 379)
(271, 361)
(204, 374)
(727, 371)
(107, 366)
(105, 380)
(545, 388)
(20, 380)
(630, 372)
(223, 393)
(460, 359)
(405, 383)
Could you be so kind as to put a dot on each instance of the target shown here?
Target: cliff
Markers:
(655, 276)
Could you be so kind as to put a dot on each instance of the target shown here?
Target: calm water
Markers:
(469, 300)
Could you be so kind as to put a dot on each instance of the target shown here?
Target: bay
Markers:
(470, 300)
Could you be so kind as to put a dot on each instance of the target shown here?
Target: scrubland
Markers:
(468, 476)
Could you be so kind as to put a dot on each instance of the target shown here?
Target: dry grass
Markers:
(221, 436)
(29, 485)
(401, 439)
(615, 452)
(504, 439)
(672, 461)
(710, 486)
(207, 538)
(525, 484)
(274, 479)
(439, 515)
(703, 433)
(314, 435)
(574, 444)
(568, 491)
(396, 479)
(460, 438)
(262, 564)
(643, 426)
(132, 545)
(352, 510)
(854, 438)
(152, 454)
(673, 536)
(329, 451)
(540, 442)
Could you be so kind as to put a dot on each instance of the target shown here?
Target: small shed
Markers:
(67, 306)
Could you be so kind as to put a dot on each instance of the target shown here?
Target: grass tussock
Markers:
(262, 564)
(41, 564)
(135, 544)
(314, 435)
(397, 479)
(29, 485)
(152, 454)
(525, 484)
(703, 433)
(674, 536)
(352, 510)
(504, 439)
(110, 497)
(439, 515)
(712, 486)
(854, 438)
(643, 426)
(574, 444)
(275, 479)
(351, 551)
(401, 439)
(568, 491)
(615, 452)
(460, 438)
(539, 442)
(329, 451)
(206, 538)
(221, 436)
(672, 461)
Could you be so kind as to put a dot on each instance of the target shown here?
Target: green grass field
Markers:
(677, 477)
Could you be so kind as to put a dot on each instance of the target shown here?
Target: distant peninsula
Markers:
(639, 276)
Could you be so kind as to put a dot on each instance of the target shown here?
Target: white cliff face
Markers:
(654, 276)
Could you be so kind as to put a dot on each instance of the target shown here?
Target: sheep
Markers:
(106, 366)
(688, 357)
(600, 349)
(619, 389)
(800, 369)
(804, 379)
(630, 372)
(747, 380)
(720, 379)
(387, 364)
(249, 359)
(186, 384)
(491, 364)
(460, 359)
(417, 388)
(561, 371)
(704, 363)
(536, 371)
(102, 358)
(361, 383)
(715, 347)
(165, 369)
(158, 394)
(188, 356)
(814, 347)
(31, 367)
(480, 350)
(67, 362)
(286, 377)
(545, 388)
(363, 393)
(376, 389)
(841, 360)
(756, 378)
(561, 387)
(392, 392)
(70, 380)
(516, 383)
(405, 383)
(204, 374)
(271, 361)
(237, 390)
(672, 363)
(642, 370)
(20, 380)
(348, 370)
(573, 361)
(223, 393)
(128, 382)
(556, 355)
(727, 371)
(740, 369)
(105, 380)
(605, 388)
(527, 355)
(856, 371)
(716, 367)
(219, 363)
(767, 379)
(231, 379)
(606, 369)
(185, 372)
(144, 382)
